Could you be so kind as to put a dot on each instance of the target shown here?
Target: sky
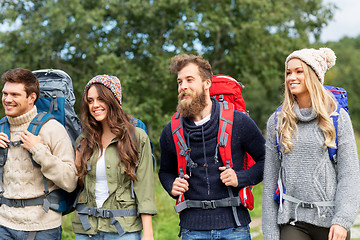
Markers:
(346, 21)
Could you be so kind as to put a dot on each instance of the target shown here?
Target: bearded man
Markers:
(209, 180)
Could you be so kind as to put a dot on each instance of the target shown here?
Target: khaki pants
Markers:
(305, 231)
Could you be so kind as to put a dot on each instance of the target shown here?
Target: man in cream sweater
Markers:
(51, 149)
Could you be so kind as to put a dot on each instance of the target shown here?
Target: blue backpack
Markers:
(342, 102)
(140, 124)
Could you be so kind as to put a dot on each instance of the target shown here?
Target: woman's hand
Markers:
(147, 227)
(337, 232)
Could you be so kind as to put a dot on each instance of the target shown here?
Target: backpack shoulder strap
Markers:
(39, 121)
(34, 127)
(335, 118)
(277, 137)
(5, 128)
(226, 119)
(181, 147)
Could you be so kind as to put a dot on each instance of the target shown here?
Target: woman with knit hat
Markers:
(318, 197)
(115, 168)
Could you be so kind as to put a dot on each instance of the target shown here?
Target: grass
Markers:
(166, 223)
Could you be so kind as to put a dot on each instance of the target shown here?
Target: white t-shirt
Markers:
(203, 121)
(101, 186)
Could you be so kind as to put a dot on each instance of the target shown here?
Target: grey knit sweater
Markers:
(309, 175)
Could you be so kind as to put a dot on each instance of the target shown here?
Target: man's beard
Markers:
(191, 106)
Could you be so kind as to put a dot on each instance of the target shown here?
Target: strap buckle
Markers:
(18, 203)
(15, 143)
(101, 213)
(307, 205)
(208, 204)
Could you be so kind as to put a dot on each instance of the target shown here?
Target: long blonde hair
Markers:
(322, 103)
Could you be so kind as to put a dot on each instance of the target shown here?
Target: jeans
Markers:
(8, 233)
(109, 236)
(239, 233)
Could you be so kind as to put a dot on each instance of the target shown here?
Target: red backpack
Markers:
(226, 88)
(228, 92)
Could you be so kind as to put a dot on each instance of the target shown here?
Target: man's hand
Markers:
(337, 232)
(4, 140)
(180, 186)
(29, 140)
(228, 177)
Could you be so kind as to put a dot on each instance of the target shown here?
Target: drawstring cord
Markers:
(281, 189)
(296, 208)
(312, 205)
(190, 163)
(205, 160)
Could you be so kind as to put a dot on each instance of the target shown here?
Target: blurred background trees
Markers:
(135, 40)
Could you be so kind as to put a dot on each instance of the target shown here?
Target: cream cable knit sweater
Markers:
(22, 180)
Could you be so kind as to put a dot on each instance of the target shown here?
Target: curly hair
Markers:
(178, 62)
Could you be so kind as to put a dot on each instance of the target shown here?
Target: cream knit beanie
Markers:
(319, 60)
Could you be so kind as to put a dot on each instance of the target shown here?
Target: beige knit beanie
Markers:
(319, 60)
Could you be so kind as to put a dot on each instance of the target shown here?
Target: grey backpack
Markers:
(57, 98)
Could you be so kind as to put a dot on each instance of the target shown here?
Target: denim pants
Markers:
(109, 236)
(239, 233)
(8, 233)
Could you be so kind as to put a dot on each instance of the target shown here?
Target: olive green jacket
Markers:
(120, 188)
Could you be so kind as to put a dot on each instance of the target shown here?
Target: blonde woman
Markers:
(320, 196)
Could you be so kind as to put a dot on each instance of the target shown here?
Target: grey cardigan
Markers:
(309, 175)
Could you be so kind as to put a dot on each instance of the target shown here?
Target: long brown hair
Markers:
(120, 125)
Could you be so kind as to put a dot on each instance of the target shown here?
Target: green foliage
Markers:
(135, 40)
(344, 73)
(67, 233)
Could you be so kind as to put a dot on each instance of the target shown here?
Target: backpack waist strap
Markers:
(208, 204)
(304, 204)
(84, 211)
(22, 202)
(48, 201)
